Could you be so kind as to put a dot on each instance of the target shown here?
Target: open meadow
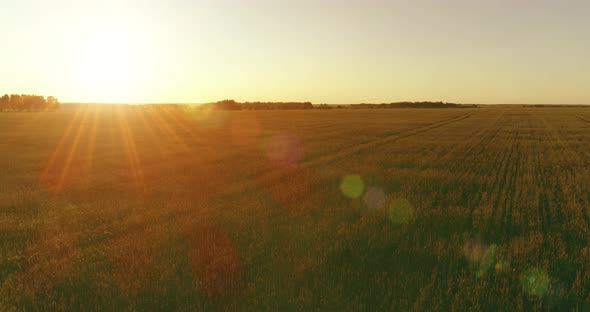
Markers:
(109, 207)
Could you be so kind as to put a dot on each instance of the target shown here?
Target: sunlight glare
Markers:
(108, 65)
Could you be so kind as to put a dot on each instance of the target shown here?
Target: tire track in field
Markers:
(451, 157)
(482, 169)
(472, 155)
(543, 203)
(360, 147)
(457, 155)
(499, 166)
(503, 184)
(497, 185)
(510, 190)
(501, 189)
(468, 154)
(473, 143)
(277, 174)
(551, 217)
(585, 213)
(581, 158)
(568, 172)
(464, 148)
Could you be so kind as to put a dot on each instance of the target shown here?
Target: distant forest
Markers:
(26, 102)
(413, 105)
(233, 105)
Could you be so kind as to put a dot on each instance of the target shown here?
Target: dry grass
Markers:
(115, 208)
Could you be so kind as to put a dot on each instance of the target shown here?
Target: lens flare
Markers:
(297, 183)
(400, 211)
(67, 166)
(535, 281)
(474, 251)
(214, 260)
(502, 266)
(245, 130)
(487, 261)
(374, 198)
(352, 186)
(284, 150)
(210, 118)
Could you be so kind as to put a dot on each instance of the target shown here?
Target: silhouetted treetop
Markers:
(233, 105)
(26, 102)
(412, 105)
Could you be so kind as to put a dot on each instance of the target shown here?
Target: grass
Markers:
(116, 208)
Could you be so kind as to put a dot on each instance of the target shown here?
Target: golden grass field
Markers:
(126, 208)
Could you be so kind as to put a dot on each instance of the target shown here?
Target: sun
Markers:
(107, 65)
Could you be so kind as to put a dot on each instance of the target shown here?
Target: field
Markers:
(120, 208)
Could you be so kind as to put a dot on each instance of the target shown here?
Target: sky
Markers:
(323, 51)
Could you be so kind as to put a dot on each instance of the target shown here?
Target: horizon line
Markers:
(369, 103)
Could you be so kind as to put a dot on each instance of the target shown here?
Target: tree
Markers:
(16, 102)
(52, 103)
(32, 102)
(227, 105)
(4, 102)
(20, 102)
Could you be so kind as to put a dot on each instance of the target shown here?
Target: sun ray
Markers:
(36, 118)
(91, 146)
(131, 151)
(72, 151)
(150, 129)
(46, 174)
(163, 124)
(182, 123)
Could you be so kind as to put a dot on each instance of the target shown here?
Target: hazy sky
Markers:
(339, 51)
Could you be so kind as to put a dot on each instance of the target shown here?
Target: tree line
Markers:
(27, 102)
(233, 105)
(414, 105)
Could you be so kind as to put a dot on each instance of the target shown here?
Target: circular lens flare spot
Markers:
(245, 131)
(352, 186)
(535, 281)
(209, 118)
(502, 266)
(487, 261)
(474, 251)
(400, 211)
(214, 260)
(374, 198)
(284, 150)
